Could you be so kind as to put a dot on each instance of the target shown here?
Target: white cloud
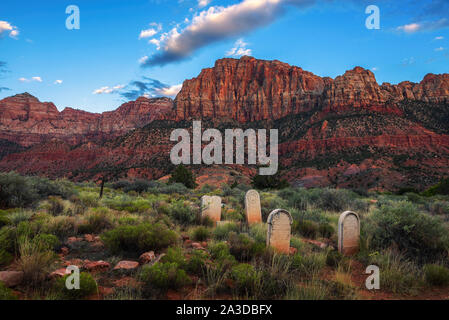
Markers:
(439, 49)
(6, 27)
(410, 28)
(374, 68)
(439, 38)
(58, 82)
(148, 33)
(143, 59)
(203, 3)
(239, 49)
(424, 26)
(107, 89)
(169, 91)
(37, 79)
(215, 24)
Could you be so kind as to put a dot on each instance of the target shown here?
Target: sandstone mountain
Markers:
(27, 121)
(347, 132)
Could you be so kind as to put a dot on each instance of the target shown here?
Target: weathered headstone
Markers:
(348, 233)
(279, 230)
(211, 207)
(252, 207)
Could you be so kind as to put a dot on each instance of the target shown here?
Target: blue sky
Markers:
(124, 49)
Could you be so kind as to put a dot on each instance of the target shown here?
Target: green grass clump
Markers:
(221, 232)
(139, 238)
(164, 276)
(201, 233)
(88, 286)
(436, 275)
(6, 293)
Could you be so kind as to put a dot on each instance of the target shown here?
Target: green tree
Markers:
(183, 175)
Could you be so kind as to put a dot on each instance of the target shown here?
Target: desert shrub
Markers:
(438, 207)
(182, 213)
(96, 222)
(306, 228)
(335, 199)
(440, 188)
(197, 262)
(55, 206)
(4, 219)
(296, 198)
(61, 226)
(16, 191)
(5, 257)
(164, 276)
(244, 248)
(334, 258)
(201, 233)
(18, 216)
(269, 182)
(138, 186)
(206, 189)
(397, 273)
(418, 235)
(46, 187)
(245, 279)
(88, 286)
(139, 238)
(47, 241)
(220, 253)
(88, 199)
(128, 203)
(175, 255)
(270, 202)
(6, 293)
(121, 184)
(183, 175)
(326, 230)
(222, 231)
(258, 232)
(341, 288)
(310, 264)
(311, 290)
(171, 188)
(436, 275)
(8, 244)
(36, 260)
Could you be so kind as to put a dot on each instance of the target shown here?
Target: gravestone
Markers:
(279, 230)
(252, 207)
(348, 233)
(211, 207)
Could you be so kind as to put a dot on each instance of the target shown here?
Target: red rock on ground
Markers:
(11, 278)
(147, 257)
(126, 265)
(293, 251)
(59, 273)
(97, 266)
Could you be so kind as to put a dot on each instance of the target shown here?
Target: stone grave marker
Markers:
(252, 207)
(211, 207)
(279, 230)
(348, 233)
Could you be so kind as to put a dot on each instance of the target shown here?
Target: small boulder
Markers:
(292, 251)
(197, 245)
(11, 278)
(97, 266)
(147, 257)
(59, 273)
(126, 265)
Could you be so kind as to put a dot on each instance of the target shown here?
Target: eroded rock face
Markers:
(27, 121)
(249, 89)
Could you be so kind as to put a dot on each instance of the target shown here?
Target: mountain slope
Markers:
(347, 132)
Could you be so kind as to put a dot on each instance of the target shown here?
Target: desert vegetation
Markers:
(145, 240)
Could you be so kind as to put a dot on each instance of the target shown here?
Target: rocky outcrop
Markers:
(249, 89)
(26, 121)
